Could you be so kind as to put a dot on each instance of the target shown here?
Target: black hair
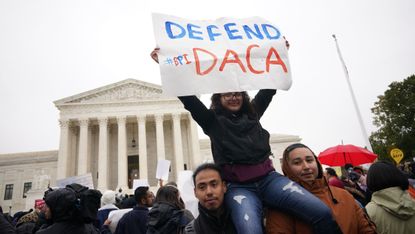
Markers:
(169, 194)
(246, 107)
(206, 166)
(140, 193)
(331, 171)
(347, 166)
(383, 174)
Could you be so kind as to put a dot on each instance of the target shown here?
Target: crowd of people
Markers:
(77, 209)
(240, 192)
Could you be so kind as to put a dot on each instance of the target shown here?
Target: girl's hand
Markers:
(154, 54)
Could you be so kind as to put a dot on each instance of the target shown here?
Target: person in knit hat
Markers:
(107, 205)
(301, 165)
(391, 207)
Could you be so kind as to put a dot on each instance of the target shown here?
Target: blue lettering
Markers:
(231, 31)
(212, 35)
(265, 28)
(170, 32)
(249, 32)
(192, 31)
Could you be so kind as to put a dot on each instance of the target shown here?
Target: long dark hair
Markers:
(246, 108)
(383, 174)
(169, 194)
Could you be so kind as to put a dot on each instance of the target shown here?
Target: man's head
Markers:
(209, 186)
(144, 196)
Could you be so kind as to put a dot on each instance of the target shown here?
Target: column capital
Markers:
(121, 119)
(141, 118)
(158, 117)
(176, 116)
(64, 123)
(103, 121)
(83, 122)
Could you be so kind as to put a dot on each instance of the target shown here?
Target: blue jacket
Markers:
(134, 222)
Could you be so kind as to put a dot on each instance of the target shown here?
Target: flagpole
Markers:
(359, 115)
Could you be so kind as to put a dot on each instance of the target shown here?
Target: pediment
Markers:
(123, 91)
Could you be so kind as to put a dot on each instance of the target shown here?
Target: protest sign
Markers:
(163, 168)
(205, 56)
(185, 186)
(140, 183)
(85, 180)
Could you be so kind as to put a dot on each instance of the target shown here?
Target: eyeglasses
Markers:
(229, 96)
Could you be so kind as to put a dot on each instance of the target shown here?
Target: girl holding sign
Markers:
(240, 146)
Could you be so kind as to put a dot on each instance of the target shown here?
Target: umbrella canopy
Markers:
(340, 155)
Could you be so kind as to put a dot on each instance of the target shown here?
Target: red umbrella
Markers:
(340, 155)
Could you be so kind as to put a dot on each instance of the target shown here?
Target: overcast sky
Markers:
(52, 49)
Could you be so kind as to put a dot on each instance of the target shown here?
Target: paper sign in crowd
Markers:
(202, 56)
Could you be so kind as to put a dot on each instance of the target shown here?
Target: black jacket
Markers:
(236, 138)
(208, 222)
(5, 226)
(166, 218)
(65, 216)
(133, 222)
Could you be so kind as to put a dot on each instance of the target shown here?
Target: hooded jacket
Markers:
(166, 218)
(393, 211)
(347, 213)
(66, 219)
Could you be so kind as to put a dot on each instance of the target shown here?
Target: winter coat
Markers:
(236, 138)
(207, 223)
(393, 211)
(166, 218)
(348, 214)
(69, 228)
(5, 226)
(133, 222)
(65, 216)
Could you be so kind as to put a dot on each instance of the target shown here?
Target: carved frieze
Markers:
(126, 92)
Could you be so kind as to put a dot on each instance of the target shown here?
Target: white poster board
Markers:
(186, 188)
(163, 168)
(85, 180)
(223, 55)
(140, 183)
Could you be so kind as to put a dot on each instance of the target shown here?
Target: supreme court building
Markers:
(117, 133)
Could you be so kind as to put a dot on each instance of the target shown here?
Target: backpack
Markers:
(88, 201)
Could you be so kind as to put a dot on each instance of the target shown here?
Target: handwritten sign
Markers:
(205, 56)
(396, 155)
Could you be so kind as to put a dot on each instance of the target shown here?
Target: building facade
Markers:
(117, 133)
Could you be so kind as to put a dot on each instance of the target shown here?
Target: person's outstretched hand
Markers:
(154, 54)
